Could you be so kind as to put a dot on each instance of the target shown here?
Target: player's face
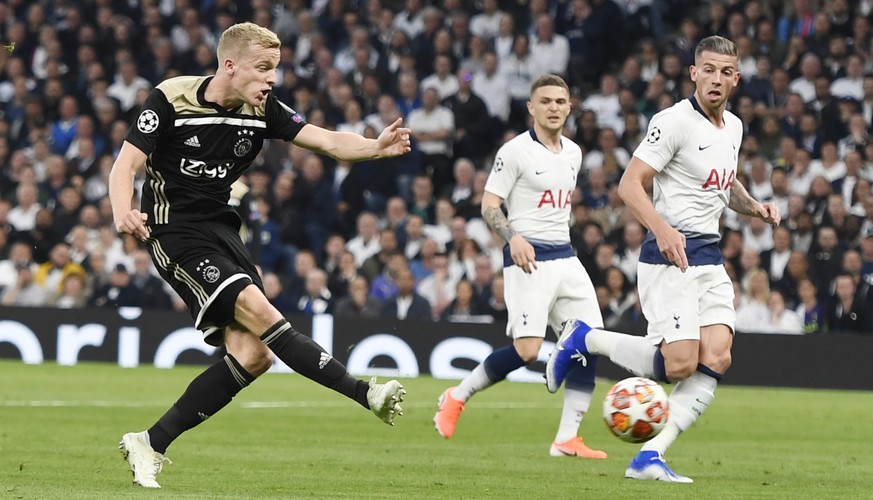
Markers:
(255, 74)
(550, 106)
(716, 75)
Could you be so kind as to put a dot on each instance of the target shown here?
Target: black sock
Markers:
(211, 391)
(306, 357)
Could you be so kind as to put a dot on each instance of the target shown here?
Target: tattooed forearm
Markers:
(741, 201)
(499, 223)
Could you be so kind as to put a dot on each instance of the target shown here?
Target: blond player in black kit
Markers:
(196, 135)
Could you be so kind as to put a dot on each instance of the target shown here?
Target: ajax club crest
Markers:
(243, 145)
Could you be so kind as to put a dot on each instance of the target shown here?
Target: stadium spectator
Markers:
(366, 242)
(342, 275)
(72, 294)
(358, 303)
(51, 273)
(375, 264)
(471, 120)
(384, 286)
(607, 145)
(848, 313)
(621, 294)
(443, 80)
(406, 303)
(275, 293)
(22, 216)
(395, 218)
(505, 39)
(811, 311)
(825, 259)
(145, 279)
(433, 127)
(25, 292)
(780, 319)
(439, 287)
(519, 71)
(118, 291)
(464, 308)
(316, 298)
(126, 86)
(423, 203)
(752, 310)
(19, 256)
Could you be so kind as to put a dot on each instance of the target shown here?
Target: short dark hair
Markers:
(549, 81)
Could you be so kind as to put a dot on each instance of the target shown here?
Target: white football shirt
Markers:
(696, 164)
(537, 185)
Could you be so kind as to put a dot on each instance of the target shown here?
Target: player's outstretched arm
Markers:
(393, 141)
(522, 252)
(631, 189)
(127, 219)
(742, 202)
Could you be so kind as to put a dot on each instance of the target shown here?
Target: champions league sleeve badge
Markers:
(498, 164)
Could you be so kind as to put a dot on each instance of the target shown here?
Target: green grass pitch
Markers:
(286, 437)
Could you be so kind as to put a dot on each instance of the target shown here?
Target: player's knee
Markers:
(256, 359)
(721, 363)
(528, 353)
(680, 369)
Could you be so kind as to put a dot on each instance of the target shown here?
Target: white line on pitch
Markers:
(498, 405)
(252, 405)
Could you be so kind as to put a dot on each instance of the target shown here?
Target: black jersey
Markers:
(196, 149)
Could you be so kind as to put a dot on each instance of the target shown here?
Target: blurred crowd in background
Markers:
(404, 238)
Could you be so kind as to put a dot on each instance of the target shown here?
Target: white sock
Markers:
(576, 403)
(476, 381)
(688, 401)
(634, 354)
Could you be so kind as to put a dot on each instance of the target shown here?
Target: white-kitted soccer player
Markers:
(535, 174)
(690, 153)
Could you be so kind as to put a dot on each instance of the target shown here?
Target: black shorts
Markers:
(207, 264)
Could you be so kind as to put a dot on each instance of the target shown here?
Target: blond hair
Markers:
(549, 81)
(717, 44)
(240, 37)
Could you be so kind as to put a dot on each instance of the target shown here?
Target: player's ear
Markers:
(530, 108)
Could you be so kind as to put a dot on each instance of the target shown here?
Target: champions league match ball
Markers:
(636, 409)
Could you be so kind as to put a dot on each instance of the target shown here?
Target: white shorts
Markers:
(678, 304)
(556, 291)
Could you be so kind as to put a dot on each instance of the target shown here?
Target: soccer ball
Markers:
(636, 409)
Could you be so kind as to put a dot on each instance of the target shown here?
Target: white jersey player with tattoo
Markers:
(545, 283)
(690, 157)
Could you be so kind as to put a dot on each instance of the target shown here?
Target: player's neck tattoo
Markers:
(499, 223)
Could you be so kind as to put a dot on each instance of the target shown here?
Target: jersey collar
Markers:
(533, 135)
(201, 98)
(696, 106)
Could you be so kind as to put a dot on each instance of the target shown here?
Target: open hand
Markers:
(394, 140)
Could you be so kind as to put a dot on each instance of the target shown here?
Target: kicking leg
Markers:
(495, 368)
(578, 341)
(699, 372)
(306, 357)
